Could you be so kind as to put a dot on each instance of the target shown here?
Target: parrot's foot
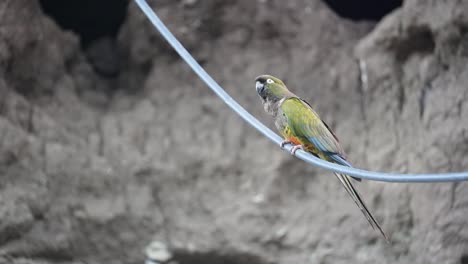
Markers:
(284, 142)
(295, 148)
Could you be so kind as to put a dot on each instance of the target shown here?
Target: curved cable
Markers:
(307, 157)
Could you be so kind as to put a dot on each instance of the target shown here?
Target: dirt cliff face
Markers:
(107, 146)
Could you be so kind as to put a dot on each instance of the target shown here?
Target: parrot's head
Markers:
(271, 90)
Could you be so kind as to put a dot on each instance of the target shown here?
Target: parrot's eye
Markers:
(270, 81)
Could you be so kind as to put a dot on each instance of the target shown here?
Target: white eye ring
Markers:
(270, 81)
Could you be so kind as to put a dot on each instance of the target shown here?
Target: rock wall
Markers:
(93, 167)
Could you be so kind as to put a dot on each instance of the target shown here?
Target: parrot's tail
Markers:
(345, 180)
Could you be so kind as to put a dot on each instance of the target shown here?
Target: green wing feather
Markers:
(306, 124)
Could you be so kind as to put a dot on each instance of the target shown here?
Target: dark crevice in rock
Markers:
(97, 23)
(90, 19)
(217, 257)
(422, 99)
(363, 9)
(464, 259)
(401, 96)
(453, 193)
(418, 40)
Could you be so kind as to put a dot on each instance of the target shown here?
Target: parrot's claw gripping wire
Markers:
(249, 118)
(284, 142)
(296, 148)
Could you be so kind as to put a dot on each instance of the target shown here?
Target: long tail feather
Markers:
(345, 180)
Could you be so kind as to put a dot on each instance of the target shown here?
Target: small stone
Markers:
(259, 198)
(281, 233)
(158, 251)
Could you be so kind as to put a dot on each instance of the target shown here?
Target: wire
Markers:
(307, 157)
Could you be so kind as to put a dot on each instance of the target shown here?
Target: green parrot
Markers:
(302, 127)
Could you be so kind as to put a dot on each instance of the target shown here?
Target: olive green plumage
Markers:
(301, 126)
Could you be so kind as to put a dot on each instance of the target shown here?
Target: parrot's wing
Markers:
(328, 127)
(306, 123)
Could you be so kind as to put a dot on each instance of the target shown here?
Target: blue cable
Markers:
(307, 157)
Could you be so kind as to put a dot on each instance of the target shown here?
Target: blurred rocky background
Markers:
(108, 141)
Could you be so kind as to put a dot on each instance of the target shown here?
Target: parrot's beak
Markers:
(258, 86)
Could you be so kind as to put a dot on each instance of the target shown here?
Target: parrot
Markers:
(302, 127)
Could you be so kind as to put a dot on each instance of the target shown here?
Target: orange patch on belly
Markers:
(307, 146)
(294, 140)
